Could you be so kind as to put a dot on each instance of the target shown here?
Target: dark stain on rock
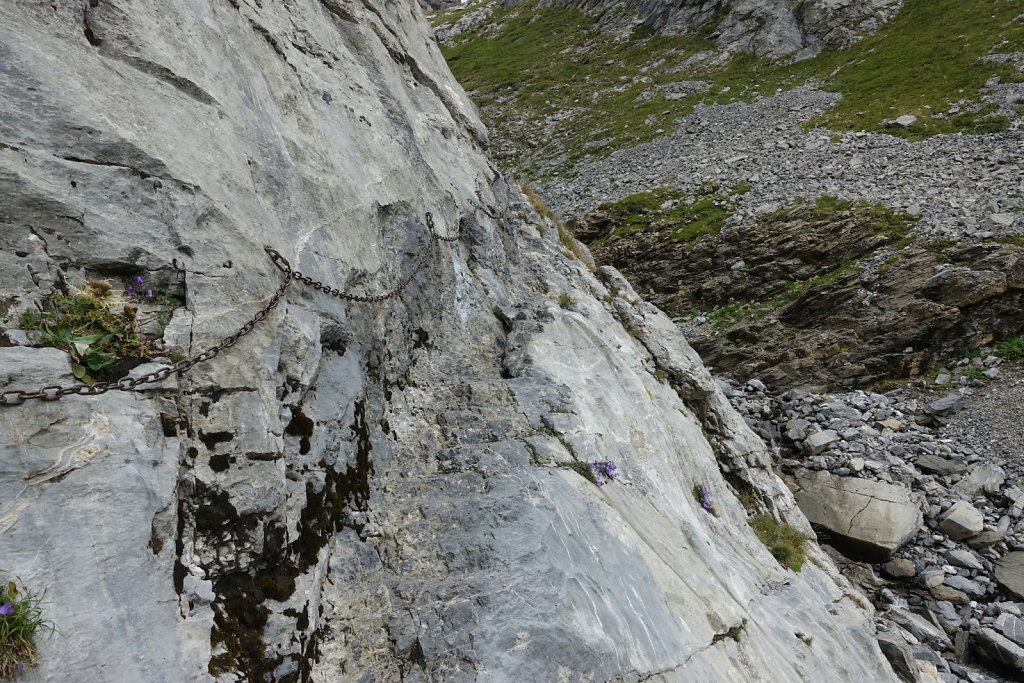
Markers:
(220, 462)
(213, 438)
(302, 427)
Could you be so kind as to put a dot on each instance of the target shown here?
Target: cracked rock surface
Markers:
(354, 491)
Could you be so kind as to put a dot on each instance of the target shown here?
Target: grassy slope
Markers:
(534, 62)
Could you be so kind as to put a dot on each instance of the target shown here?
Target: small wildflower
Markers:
(7, 609)
(604, 471)
(139, 280)
(21, 666)
(149, 293)
(129, 289)
(703, 497)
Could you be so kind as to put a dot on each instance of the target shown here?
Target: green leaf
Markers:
(78, 370)
(98, 361)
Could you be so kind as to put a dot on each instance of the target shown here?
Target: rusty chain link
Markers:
(54, 392)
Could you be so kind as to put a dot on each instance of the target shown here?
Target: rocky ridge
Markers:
(774, 29)
(376, 491)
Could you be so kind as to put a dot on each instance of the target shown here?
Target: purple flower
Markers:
(139, 280)
(7, 609)
(129, 289)
(21, 666)
(149, 293)
(604, 471)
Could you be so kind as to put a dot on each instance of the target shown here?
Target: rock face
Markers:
(773, 28)
(826, 298)
(370, 489)
(878, 518)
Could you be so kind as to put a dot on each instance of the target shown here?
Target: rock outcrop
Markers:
(772, 28)
(356, 490)
(815, 297)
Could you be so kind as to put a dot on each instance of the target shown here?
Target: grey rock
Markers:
(985, 539)
(906, 121)
(962, 520)
(899, 654)
(900, 568)
(987, 478)
(930, 578)
(1011, 626)
(820, 441)
(965, 585)
(949, 404)
(997, 648)
(881, 516)
(919, 627)
(1009, 574)
(936, 464)
(963, 558)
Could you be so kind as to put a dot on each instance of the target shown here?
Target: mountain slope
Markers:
(383, 490)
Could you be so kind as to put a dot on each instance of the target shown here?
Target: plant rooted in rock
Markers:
(785, 543)
(88, 328)
(21, 620)
(599, 472)
(703, 496)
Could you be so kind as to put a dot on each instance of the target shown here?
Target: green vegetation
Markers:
(565, 301)
(785, 543)
(86, 326)
(685, 221)
(874, 218)
(581, 468)
(1011, 349)
(975, 372)
(532, 62)
(735, 311)
(538, 204)
(21, 620)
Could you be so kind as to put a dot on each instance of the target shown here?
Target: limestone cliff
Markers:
(769, 28)
(355, 491)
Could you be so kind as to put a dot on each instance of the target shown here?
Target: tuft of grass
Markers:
(538, 204)
(975, 373)
(86, 326)
(1011, 349)
(784, 542)
(21, 620)
(581, 468)
(565, 301)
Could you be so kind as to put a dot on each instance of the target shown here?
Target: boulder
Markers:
(987, 478)
(936, 464)
(899, 654)
(900, 568)
(999, 649)
(1011, 626)
(1009, 574)
(820, 441)
(949, 404)
(873, 518)
(962, 520)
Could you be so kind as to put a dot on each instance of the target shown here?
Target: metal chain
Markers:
(54, 392)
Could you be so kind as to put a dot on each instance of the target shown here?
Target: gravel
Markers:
(961, 186)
